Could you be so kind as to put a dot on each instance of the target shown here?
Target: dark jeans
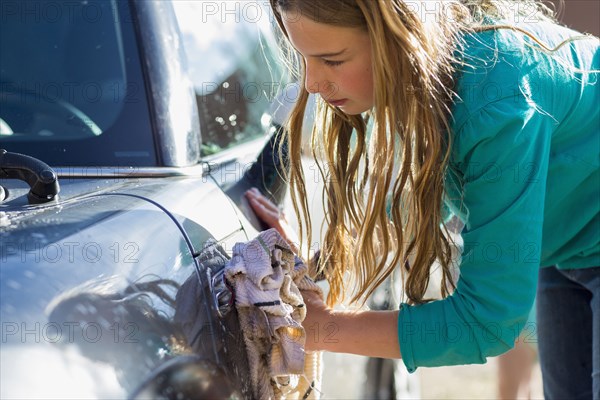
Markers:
(568, 317)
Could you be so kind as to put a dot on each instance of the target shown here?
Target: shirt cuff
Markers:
(405, 329)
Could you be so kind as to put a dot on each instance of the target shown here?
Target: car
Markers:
(129, 132)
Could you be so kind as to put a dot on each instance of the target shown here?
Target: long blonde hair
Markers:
(413, 77)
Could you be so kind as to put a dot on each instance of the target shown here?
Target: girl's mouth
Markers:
(337, 103)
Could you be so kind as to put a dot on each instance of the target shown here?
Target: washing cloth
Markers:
(267, 278)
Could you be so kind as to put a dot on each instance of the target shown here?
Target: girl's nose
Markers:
(314, 81)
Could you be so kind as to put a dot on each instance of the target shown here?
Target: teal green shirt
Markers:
(525, 181)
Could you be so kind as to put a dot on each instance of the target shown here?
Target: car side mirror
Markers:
(42, 179)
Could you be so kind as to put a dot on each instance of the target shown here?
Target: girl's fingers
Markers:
(265, 201)
(265, 213)
(270, 218)
(268, 204)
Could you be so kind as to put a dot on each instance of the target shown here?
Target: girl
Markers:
(485, 109)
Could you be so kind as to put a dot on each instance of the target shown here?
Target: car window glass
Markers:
(231, 62)
(71, 87)
(74, 66)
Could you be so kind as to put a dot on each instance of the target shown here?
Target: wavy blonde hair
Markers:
(413, 77)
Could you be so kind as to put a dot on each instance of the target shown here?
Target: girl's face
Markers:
(338, 62)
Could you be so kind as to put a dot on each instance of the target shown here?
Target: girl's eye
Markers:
(332, 63)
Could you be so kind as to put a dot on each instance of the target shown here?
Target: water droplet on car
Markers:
(4, 221)
(162, 353)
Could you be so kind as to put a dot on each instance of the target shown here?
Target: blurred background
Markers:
(581, 15)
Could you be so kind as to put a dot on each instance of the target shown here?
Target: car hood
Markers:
(21, 220)
(85, 203)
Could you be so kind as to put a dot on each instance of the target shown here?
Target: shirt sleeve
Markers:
(502, 153)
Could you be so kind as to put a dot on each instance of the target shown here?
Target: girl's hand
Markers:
(363, 332)
(272, 216)
(318, 319)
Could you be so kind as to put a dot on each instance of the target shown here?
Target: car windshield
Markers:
(71, 85)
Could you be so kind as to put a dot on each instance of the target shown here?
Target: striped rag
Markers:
(267, 278)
